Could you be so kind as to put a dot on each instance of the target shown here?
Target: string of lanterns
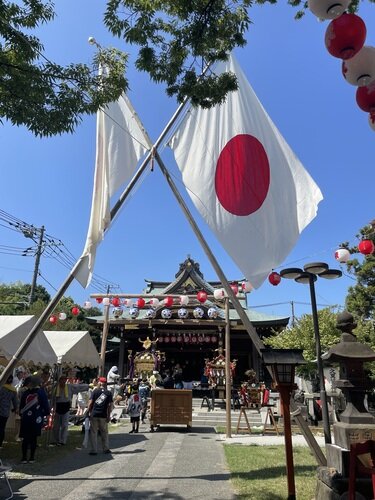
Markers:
(342, 255)
(345, 39)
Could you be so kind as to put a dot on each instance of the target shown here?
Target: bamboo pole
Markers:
(228, 381)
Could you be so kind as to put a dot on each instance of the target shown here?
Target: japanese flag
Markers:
(119, 145)
(244, 179)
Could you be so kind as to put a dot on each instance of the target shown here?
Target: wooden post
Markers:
(285, 401)
(104, 340)
(228, 383)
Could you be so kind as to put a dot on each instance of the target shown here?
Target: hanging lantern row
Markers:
(62, 316)
(345, 39)
(182, 313)
(188, 339)
(168, 301)
(365, 247)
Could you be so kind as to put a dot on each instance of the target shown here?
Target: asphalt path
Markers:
(170, 463)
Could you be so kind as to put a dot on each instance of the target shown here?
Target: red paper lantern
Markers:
(365, 97)
(75, 311)
(345, 36)
(53, 320)
(366, 247)
(141, 303)
(115, 301)
(274, 278)
(202, 296)
(99, 300)
(168, 301)
(234, 288)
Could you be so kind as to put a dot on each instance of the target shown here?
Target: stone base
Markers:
(346, 434)
(331, 486)
(338, 459)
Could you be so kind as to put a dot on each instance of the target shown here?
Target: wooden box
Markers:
(171, 407)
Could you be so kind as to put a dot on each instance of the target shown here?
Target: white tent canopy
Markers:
(48, 347)
(14, 330)
(73, 348)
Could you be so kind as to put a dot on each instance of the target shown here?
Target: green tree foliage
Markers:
(301, 336)
(14, 298)
(44, 96)
(14, 301)
(360, 300)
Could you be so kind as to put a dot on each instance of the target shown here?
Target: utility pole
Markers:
(36, 266)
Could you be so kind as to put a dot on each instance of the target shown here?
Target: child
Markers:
(134, 409)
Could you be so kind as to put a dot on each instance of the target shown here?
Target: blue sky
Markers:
(49, 181)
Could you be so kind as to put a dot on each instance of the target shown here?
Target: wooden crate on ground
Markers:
(171, 407)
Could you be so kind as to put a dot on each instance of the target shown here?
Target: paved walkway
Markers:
(168, 464)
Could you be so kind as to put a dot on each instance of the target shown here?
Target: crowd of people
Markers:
(42, 401)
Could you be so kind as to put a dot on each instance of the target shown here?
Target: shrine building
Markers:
(186, 334)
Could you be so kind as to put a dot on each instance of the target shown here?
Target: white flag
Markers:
(244, 179)
(119, 145)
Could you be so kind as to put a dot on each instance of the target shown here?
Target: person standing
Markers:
(64, 393)
(34, 407)
(134, 409)
(144, 394)
(8, 399)
(100, 408)
(113, 378)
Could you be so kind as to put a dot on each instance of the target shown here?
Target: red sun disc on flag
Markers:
(242, 177)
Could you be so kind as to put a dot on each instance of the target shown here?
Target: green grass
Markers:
(259, 472)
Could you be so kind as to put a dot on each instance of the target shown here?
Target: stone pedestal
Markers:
(346, 434)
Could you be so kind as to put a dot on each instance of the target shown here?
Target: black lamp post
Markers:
(309, 275)
(282, 363)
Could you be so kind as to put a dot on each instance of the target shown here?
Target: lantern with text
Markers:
(202, 296)
(150, 313)
(134, 312)
(212, 313)
(345, 36)
(62, 316)
(365, 97)
(140, 303)
(154, 302)
(168, 301)
(75, 311)
(366, 247)
(166, 314)
(219, 293)
(184, 300)
(117, 312)
(247, 287)
(360, 69)
(182, 313)
(129, 302)
(328, 9)
(342, 255)
(106, 301)
(87, 305)
(274, 278)
(198, 313)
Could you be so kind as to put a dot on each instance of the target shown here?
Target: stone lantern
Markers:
(356, 423)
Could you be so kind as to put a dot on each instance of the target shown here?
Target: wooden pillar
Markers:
(228, 383)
